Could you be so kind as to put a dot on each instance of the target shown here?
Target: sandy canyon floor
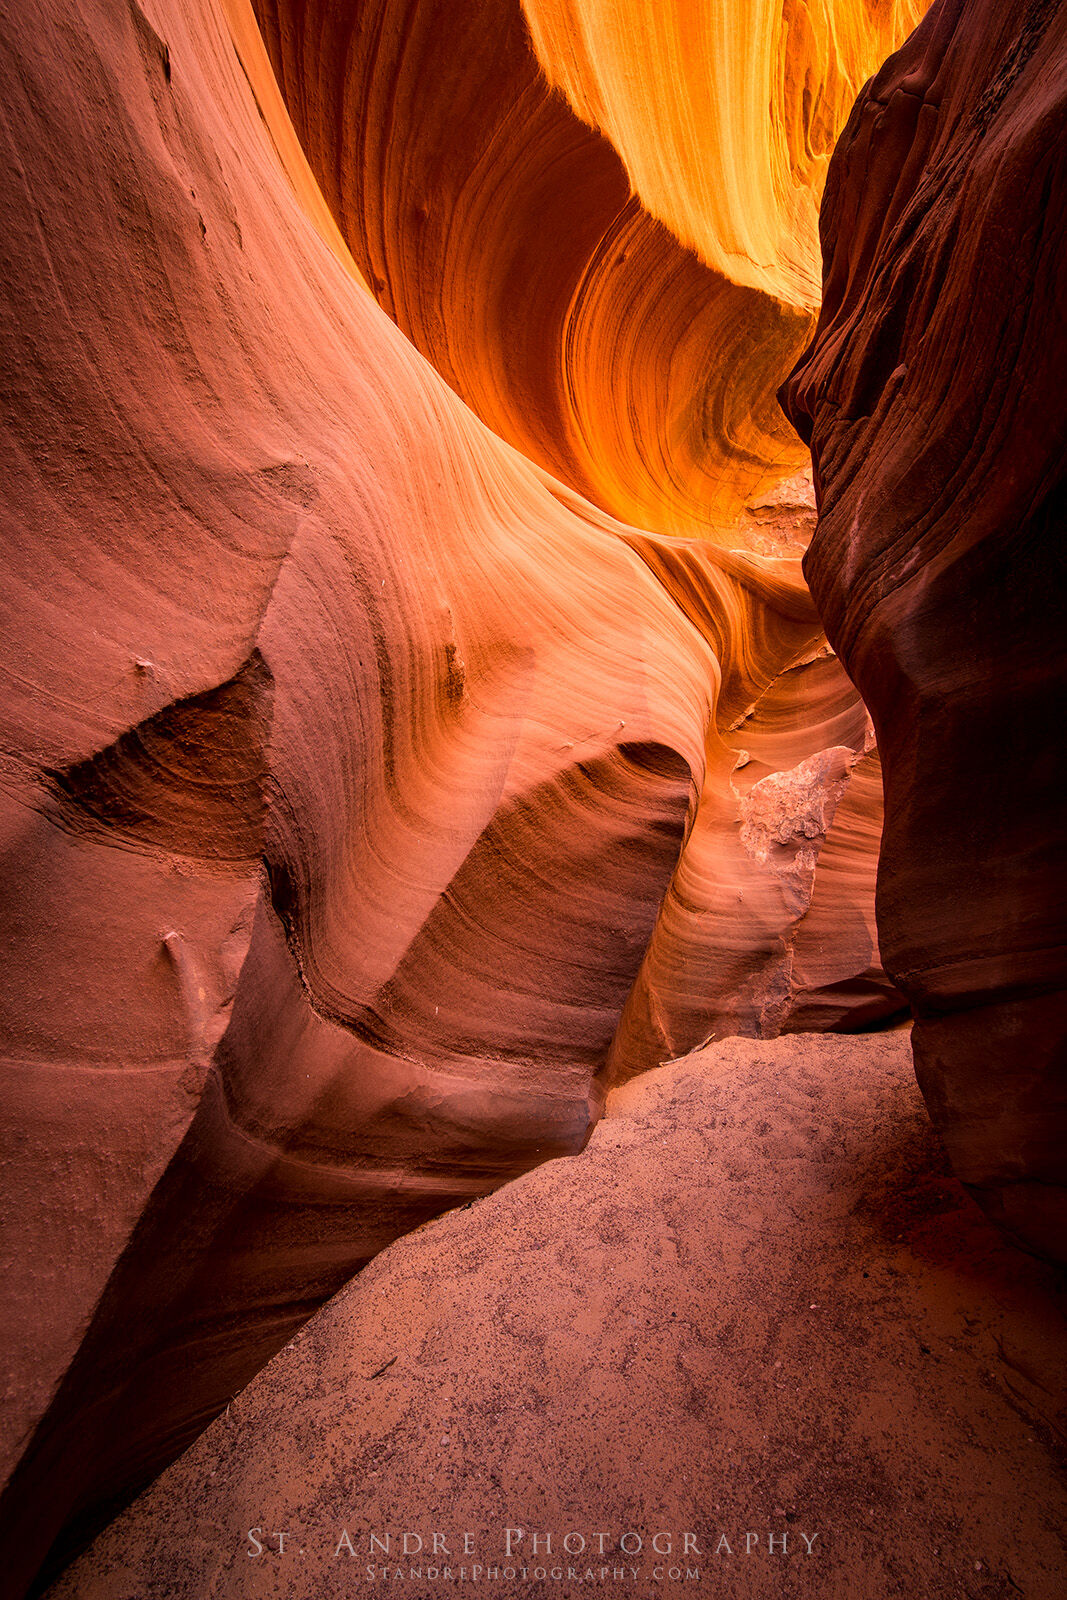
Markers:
(754, 1341)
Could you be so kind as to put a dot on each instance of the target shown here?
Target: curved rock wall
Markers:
(501, 234)
(372, 798)
(933, 399)
(622, 311)
(725, 115)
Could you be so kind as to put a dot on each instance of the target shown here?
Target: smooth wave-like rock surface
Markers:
(933, 398)
(363, 784)
(758, 1304)
(503, 236)
(725, 115)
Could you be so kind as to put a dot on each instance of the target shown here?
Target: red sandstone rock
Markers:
(933, 398)
(347, 760)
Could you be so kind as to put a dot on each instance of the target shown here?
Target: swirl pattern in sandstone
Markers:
(724, 115)
(632, 349)
(933, 397)
(358, 776)
(501, 234)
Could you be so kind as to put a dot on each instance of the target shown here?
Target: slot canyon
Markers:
(533, 1019)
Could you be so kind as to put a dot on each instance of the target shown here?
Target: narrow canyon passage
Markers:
(417, 725)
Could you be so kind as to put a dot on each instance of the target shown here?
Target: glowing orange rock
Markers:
(724, 114)
(501, 234)
(355, 768)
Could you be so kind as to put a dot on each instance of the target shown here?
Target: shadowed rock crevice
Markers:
(190, 780)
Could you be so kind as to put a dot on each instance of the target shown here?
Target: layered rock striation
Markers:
(503, 235)
(414, 723)
(725, 116)
(354, 767)
(932, 396)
